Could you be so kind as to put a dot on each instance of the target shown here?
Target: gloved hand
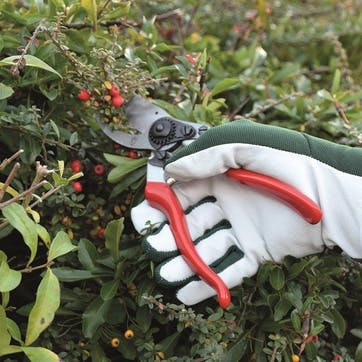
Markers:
(236, 228)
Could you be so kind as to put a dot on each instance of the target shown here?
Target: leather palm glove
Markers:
(236, 228)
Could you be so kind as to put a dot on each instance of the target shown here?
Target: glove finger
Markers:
(145, 217)
(238, 268)
(206, 215)
(213, 250)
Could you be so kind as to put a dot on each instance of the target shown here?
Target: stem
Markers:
(9, 179)
(18, 197)
(272, 104)
(342, 114)
(29, 269)
(20, 62)
(5, 162)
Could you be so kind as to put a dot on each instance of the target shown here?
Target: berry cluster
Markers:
(114, 92)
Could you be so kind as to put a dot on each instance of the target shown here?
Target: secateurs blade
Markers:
(162, 134)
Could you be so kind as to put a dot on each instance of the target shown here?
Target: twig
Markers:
(9, 179)
(20, 62)
(271, 105)
(29, 269)
(46, 195)
(26, 192)
(238, 108)
(5, 162)
(342, 114)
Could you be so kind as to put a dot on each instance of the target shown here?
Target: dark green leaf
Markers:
(277, 278)
(87, 254)
(94, 316)
(236, 351)
(144, 318)
(109, 289)
(281, 309)
(358, 354)
(113, 235)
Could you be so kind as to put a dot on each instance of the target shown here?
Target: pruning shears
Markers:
(162, 134)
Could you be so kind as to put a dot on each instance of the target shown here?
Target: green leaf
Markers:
(357, 332)
(60, 245)
(113, 235)
(87, 254)
(358, 354)
(296, 321)
(169, 343)
(9, 278)
(31, 61)
(225, 85)
(281, 309)
(4, 334)
(90, 7)
(46, 304)
(277, 278)
(66, 274)
(18, 218)
(338, 323)
(336, 81)
(109, 289)
(43, 234)
(40, 354)
(236, 351)
(128, 181)
(144, 318)
(324, 94)
(5, 91)
(14, 330)
(9, 350)
(94, 316)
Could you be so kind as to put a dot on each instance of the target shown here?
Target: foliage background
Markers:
(74, 281)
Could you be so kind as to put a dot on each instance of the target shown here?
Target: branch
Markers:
(7, 161)
(26, 192)
(9, 179)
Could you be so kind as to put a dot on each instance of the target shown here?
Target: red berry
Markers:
(114, 91)
(116, 146)
(132, 154)
(77, 186)
(190, 58)
(100, 232)
(83, 95)
(99, 169)
(117, 101)
(76, 166)
(315, 339)
(336, 357)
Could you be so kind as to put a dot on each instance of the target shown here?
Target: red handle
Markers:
(162, 197)
(286, 193)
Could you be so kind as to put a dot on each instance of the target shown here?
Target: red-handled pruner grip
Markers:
(301, 203)
(162, 197)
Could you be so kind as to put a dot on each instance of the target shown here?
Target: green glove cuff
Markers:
(343, 158)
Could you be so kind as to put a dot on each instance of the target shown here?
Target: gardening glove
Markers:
(236, 228)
